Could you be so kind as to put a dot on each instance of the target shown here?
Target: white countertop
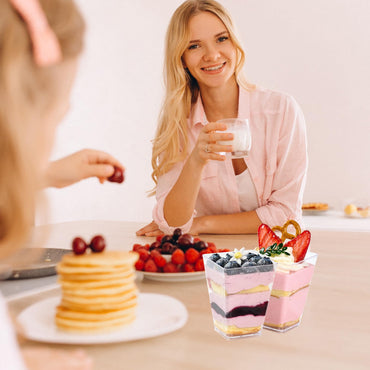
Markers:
(336, 220)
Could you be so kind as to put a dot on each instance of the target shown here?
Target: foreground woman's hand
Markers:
(151, 229)
(80, 165)
(52, 359)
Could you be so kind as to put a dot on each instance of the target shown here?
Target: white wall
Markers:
(318, 51)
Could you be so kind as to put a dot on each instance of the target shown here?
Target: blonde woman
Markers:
(197, 188)
(39, 46)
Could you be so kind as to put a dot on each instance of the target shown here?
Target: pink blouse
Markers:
(277, 162)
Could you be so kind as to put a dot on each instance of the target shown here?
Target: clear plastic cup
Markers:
(289, 294)
(242, 141)
(238, 296)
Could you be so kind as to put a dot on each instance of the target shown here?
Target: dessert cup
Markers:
(239, 297)
(289, 294)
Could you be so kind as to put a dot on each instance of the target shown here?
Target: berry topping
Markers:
(222, 261)
(117, 175)
(97, 243)
(232, 264)
(215, 257)
(300, 245)
(79, 246)
(266, 237)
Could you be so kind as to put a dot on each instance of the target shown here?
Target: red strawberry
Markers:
(223, 250)
(212, 247)
(147, 246)
(191, 255)
(169, 267)
(143, 253)
(196, 240)
(266, 237)
(160, 261)
(206, 251)
(300, 245)
(199, 265)
(139, 265)
(136, 247)
(188, 267)
(178, 257)
(159, 238)
(155, 252)
(150, 266)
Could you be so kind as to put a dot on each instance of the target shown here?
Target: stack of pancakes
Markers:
(98, 291)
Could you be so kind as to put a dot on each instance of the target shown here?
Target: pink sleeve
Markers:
(164, 186)
(286, 170)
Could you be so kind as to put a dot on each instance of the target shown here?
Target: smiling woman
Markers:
(199, 188)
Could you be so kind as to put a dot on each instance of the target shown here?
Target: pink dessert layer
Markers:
(236, 283)
(227, 303)
(286, 309)
(293, 280)
(247, 321)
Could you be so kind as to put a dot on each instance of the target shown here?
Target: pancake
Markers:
(98, 291)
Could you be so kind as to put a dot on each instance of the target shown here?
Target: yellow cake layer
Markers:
(234, 330)
(283, 325)
(283, 293)
(220, 290)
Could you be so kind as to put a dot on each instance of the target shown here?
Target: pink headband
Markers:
(46, 47)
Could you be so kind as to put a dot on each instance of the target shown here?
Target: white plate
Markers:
(314, 212)
(151, 321)
(174, 277)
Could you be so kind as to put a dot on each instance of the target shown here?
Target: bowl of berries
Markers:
(174, 258)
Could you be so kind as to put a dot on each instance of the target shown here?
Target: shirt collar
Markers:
(198, 114)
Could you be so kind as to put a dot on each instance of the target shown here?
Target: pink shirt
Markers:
(277, 162)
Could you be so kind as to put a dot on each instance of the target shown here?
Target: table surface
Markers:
(334, 332)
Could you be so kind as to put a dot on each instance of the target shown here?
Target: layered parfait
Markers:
(294, 270)
(239, 286)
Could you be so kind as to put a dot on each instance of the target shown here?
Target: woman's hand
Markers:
(206, 147)
(80, 165)
(151, 229)
(53, 359)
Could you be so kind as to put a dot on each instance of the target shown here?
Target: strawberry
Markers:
(150, 266)
(155, 252)
(159, 238)
(143, 253)
(160, 261)
(169, 267)
(206, 251)
(178, 257)
(191, 255)
(136, 247)
(266, 237)
(300, 245)
(188, 267)
(223, 250)
(139, 265)
(199, 265)
(212, 247)
(147, 246)
(196, 240)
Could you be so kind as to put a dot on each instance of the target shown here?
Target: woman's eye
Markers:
(222, 38)
(193, 46)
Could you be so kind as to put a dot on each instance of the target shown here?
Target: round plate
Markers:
(152, 320)
(314, 212)
(174, 277)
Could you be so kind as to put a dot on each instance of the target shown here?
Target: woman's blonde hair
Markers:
(171, 140)
(26, 92)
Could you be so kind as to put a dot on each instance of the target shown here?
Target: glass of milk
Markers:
(242, 141)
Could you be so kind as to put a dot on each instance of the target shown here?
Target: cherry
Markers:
(79, 246)
(117, 176)
(97, 243)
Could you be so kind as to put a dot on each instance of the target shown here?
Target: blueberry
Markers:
(215, 257)
(255, 258)
(222, 261)
(249, 264)
(231, 265)
(229, 256)
(250, 255)
(249, 267)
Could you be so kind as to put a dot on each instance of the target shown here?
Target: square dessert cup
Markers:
(238, 296)
(289, 294)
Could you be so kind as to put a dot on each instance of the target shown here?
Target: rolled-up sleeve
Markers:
(164, 186)
(286, 171)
